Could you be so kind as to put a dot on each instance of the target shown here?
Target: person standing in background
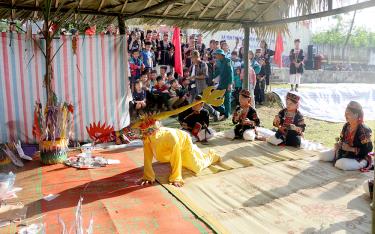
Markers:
(148, 56)
(198, 72)
(224, 74)
(296, 57)
(261, 80)
(165, 49)
(224, 46)
(254, 69)
(211, 61)
(200, 46)
(266, 55)
(188, 50)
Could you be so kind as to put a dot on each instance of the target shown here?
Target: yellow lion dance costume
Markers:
(172, 145)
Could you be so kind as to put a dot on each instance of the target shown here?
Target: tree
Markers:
(338, 35)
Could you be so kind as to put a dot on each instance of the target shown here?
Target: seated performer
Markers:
(196, 121)
(290, 123)
(352, 150)
(246, 119)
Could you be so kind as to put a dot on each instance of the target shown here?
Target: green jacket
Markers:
(224, 68)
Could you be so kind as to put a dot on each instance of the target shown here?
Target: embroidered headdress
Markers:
(293, 96)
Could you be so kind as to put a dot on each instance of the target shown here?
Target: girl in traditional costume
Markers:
(246, 119)
(296, 57)
(351, 152)
(290, 123)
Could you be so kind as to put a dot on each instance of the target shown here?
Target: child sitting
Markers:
(290, 123)
(177, 97)
(139, 97)
(170, 77)
(354, 146)
(146, 85)
(246, 119)
(163, 72)
(185, 89)
(196, 121)
(161, 93)
(152, 77)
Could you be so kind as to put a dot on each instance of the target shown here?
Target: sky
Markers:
(363, 18)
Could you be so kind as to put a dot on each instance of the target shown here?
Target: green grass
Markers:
(316, 130)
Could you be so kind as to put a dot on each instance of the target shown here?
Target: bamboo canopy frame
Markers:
(264, 17)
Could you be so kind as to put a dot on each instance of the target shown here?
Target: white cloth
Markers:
(202, 134)
(305, 144)
(327, 155)
(229, 134)
(273, 140)
(295, 79)
(346, 164)
(248, 135)
(328, 101)
(217, 79)
(252, 96)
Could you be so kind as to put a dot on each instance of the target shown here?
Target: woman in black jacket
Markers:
(354, 145)
(296, 57)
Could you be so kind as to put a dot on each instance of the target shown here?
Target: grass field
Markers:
(316, 130)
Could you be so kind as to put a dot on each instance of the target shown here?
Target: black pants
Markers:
(162, 99)
(268, 79)
(150, 99)
(291, 139)
(236, 96)
(259, 90)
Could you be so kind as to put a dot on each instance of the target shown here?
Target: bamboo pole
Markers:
(245, 81)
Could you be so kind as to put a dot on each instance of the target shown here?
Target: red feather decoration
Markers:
(100, 133)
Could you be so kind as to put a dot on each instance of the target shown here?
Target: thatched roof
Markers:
(207, 15)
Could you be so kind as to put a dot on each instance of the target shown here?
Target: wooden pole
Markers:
(48, 75)
(245, 82)
(372, 208)
(121, 25)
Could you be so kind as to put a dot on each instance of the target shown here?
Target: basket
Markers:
(53, 152)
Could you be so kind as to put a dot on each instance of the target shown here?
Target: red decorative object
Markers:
(176, 40)
(100, 133)
(147, 124)
(279, 48)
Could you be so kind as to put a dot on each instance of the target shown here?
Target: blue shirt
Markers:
(139, 96)
(147, 58)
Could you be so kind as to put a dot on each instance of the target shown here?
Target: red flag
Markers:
(176, 41)
(279, 48)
